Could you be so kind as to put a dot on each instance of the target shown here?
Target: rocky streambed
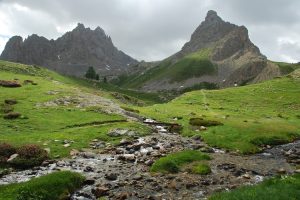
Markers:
(122, 172)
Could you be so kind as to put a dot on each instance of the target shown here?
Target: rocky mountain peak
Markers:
(70, 54)
(212, 16)
(212, 29)
(80, 26)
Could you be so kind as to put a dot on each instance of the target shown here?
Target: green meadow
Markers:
(251, 116)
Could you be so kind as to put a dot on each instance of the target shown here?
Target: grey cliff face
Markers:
(70, 54)
(237, 59)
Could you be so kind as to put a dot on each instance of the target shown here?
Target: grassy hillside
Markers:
(56, 108)
(286, 68)
(252, 116)
(193, 65)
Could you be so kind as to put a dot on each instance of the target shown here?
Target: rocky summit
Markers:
(218, 52)
(238, 59)
(70, 54)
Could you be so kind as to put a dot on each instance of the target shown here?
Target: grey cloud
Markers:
(155, 29)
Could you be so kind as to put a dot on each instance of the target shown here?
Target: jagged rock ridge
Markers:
(237, 59)
(70, 54)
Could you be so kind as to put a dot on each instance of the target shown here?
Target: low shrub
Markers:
(11, 84)
(10, 101)
(6, 108)
(175, 128)
(275, 140)
(203, 122)
(29, 156)
(12, 115)
(6, 150)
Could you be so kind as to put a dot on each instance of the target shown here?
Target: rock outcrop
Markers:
(237, 59)
(70, 54)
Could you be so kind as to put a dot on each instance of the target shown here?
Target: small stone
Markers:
(281, 171)
(47, 150)
(197, 137)
(149, 162)
(74, 152)
(124, 141)
(88, 169)
(111, 176)
(66, 145)
(173, 185)
(297, 171)
(88, 155)
(100, 191)
(12, 157)
(123, 196)
(89, 181)
(95, 140)
(246, 176)
(127, 157)
(137, 177)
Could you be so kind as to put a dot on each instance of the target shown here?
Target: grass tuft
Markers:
(279, 188)
(48, 187)
(173, 162)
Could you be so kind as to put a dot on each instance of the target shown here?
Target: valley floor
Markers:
(215, 140)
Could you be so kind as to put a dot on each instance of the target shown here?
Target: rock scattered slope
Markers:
(70, 54)
(229, 49)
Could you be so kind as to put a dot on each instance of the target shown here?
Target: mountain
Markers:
(219, 53)
(70, 54)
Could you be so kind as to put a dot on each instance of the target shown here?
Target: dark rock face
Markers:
(70, 54)
(211, 30)
(237, 59)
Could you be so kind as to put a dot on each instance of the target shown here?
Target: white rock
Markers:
(12, 157)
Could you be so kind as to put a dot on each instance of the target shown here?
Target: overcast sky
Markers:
(155, 29)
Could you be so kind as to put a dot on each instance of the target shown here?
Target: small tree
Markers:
(91, 73)
(105, 79)
(97, 77)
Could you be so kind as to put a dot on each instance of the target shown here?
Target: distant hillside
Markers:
(218, 53)
(70, 54)
(286, 68)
